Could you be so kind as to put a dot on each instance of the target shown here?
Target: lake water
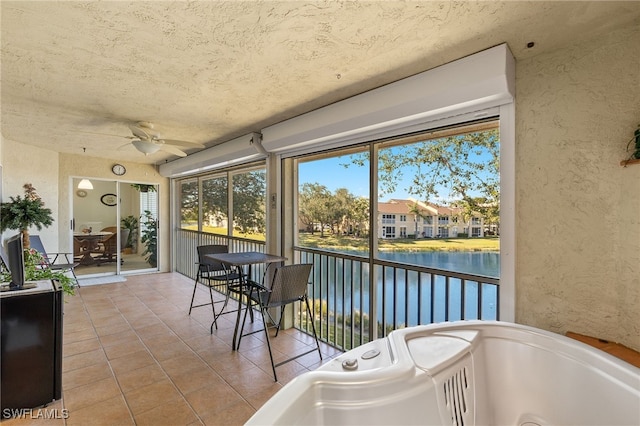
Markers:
(411, 295)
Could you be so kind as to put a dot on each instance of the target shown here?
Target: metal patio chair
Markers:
(51, 259)
(216, 276)
(285, 285)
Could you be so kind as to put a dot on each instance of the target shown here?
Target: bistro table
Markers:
(238, 260)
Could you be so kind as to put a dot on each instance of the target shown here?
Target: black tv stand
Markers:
(31, 347)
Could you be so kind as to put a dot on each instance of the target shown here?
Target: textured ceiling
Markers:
(74, 73)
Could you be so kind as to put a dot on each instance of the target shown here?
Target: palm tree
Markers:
(23, 213)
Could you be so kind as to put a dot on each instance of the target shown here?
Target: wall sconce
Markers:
(85, 184)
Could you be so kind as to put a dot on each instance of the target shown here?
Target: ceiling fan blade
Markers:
(123, 147)
(106, 134)
(139, 132)
(181, 143)
(172, 150)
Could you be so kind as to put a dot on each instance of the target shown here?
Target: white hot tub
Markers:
(463, 373)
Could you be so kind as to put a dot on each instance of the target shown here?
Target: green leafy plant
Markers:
(635, 154)
(130, 223)
(22, 213)
(36, 269)
(143, 187)
(150, 238)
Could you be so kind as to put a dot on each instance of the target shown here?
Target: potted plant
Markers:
(130, 223)
(21, 214)
(143, 187)
(150, 238)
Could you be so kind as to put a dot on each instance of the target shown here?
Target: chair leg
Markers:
(313, 325)
(280, 320)
(195, 285)
(213, 309)
(244, 319)
(266, 334)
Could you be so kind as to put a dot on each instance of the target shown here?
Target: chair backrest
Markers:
(289, 284)
(4, 258)
(111, 244)
(207, 264)
(36, 243)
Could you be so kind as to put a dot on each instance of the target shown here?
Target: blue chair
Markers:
(51, 262)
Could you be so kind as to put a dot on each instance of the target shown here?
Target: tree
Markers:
(467, 166)
(189, 202)
(249, 209)
(358, 216)
(315, 203)
(215, 198)
(24, 213)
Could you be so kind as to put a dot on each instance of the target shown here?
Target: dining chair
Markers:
(109, 248)
(214, 275)
(285, 285)
(51, 259)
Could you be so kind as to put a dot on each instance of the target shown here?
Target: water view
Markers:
(407, 298)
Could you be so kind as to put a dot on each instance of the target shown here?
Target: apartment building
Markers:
(417, 219)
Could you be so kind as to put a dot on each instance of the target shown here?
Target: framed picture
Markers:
(109, 199)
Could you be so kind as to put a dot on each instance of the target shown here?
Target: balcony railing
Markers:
(186, 252)
(346, 296)
(356, 299)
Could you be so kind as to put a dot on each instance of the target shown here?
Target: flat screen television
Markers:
(15, 253)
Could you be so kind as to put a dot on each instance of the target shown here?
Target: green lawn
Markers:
(361, 244)
(422, 244)
(223, 231)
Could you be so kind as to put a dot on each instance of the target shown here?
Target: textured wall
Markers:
(578, 210)
(28, 164)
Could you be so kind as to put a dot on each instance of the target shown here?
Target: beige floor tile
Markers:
(236, 414)
(182, 364)
(167, 413)
(154, 395)
(81, 360)
(195, 379)
(92, 393)
(132, 353)
(113, 411)
(121, 337)
(81, 346)
(131, 362)
(170, 351)
(85, 375)
(140, 377)
(76, 336)
(119, 350)
(213, 397)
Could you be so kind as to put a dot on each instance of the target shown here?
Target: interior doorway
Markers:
(114, 227)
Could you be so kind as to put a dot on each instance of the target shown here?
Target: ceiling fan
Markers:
(148, 141)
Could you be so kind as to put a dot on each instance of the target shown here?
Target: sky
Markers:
(331, 173)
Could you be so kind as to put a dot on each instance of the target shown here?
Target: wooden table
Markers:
(89, 244)
(238, 261)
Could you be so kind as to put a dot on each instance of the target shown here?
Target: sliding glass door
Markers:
(114, 227)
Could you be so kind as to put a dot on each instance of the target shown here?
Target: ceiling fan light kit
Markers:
(148, 141)
(146, 147)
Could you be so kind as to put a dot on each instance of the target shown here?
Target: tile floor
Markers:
(132, 355)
